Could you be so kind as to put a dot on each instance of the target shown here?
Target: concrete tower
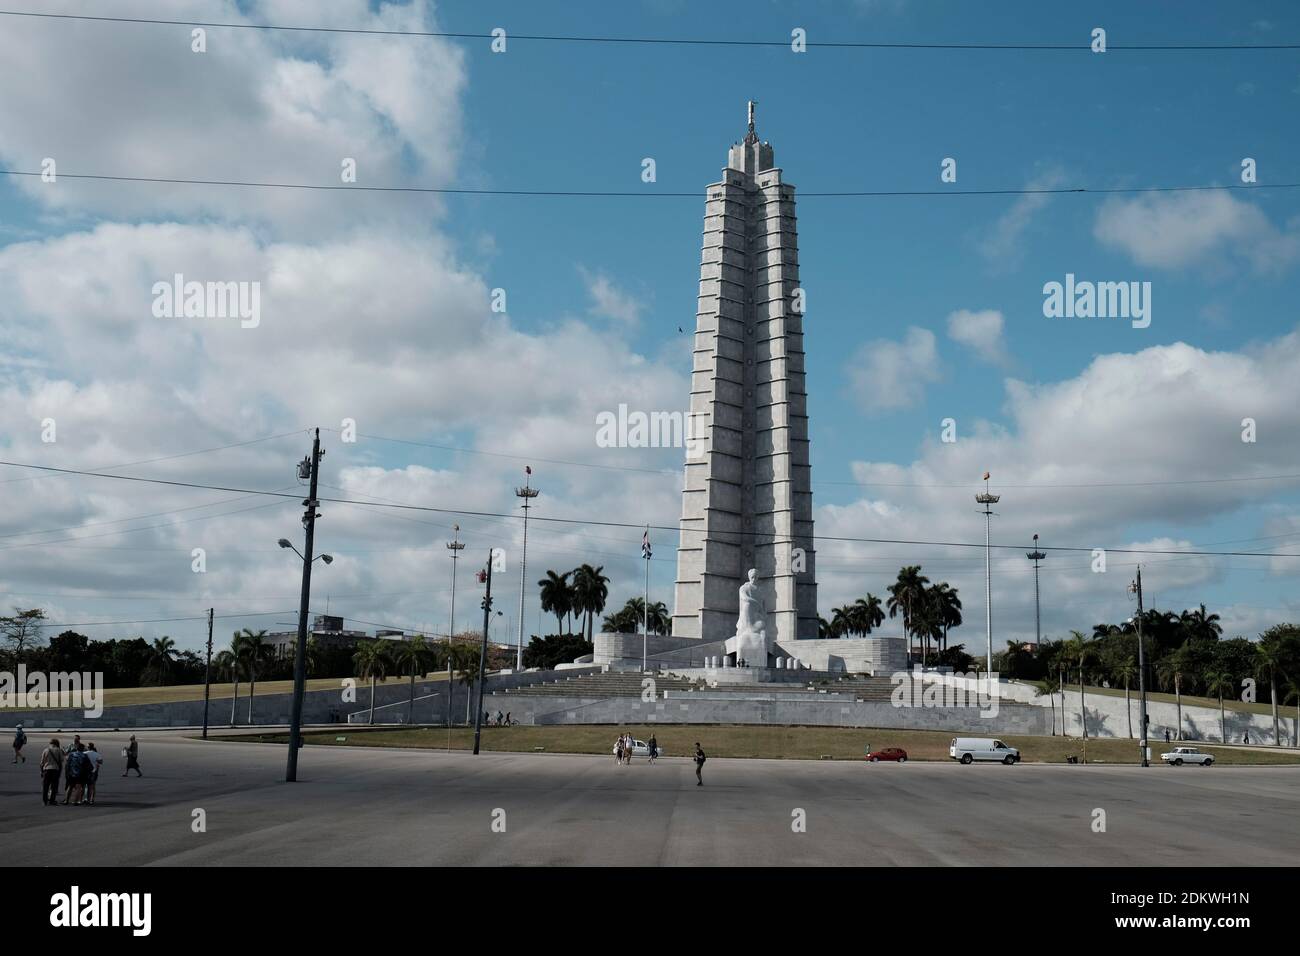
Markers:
(747, 501)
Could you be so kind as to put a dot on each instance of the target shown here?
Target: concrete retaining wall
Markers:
(702, 708)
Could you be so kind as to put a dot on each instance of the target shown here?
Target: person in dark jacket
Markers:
(20, 741)
(133, 757)
(699, 764)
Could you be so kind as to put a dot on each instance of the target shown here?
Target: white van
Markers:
(969, 749)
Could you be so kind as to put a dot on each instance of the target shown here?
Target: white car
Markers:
(639, 749)
(1181, 755)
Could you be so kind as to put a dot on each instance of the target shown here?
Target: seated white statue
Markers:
(750, 643)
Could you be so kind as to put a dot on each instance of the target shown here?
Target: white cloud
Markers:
(885, 375)
(608, 300)
(981, 332)
(1001, 244)
(1174, 230)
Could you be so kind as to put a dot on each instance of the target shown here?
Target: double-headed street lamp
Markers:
(286, 543)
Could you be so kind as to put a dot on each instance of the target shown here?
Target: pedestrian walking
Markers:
(51, 766)
(627, 749)
(95, 760)
(132, 754)
(508, 720)
(654, 748)
(20, 741)
(1166, 735)
(699, 764)
(618, 750)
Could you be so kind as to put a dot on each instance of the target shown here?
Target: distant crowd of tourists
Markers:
(77, 765)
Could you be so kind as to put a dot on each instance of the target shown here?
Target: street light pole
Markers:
(482, 654)
(207, 676)
(527, 493)
(645, 630)
(987, 499)
(307, 468)
(1136, 588)
(1036, 556)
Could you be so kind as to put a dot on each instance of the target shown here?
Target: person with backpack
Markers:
(76, 769)
(20, 741)
(51, 767)
(699, 764)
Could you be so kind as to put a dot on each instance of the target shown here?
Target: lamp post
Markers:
(207, 676)
(485, 577)
(455, 547)
(527, 493)
(645, 608)
(987, 499)
(1136, 588)
(1036, 556)
(308, 469)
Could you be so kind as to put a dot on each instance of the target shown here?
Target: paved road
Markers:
(370, 806)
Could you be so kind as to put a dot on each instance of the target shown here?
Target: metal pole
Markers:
(300, 651)
(1142, 671)
(482, 654)
(207, 675)
(455, 547)
(1036, 556)
(645, 628)
(527, 493)
(986, 500)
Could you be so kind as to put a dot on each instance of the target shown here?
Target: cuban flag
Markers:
(645, 544)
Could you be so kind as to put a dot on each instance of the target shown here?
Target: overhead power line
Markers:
(668, 41)
(652, 193)
(641, 525)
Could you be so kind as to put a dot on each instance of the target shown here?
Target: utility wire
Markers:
(650, 193)
(641, 525)
(668, 41)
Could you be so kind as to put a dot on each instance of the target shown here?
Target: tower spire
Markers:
(751, 136)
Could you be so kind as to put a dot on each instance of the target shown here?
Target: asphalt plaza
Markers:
(374, 806)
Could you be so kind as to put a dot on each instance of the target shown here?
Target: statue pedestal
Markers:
(748, 646)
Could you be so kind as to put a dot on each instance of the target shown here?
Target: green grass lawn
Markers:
(798, 743)
(122, 696)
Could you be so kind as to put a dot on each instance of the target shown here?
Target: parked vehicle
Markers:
(888, 753)
(1181, 755)
(970, 749)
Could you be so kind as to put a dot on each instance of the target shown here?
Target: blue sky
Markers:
(389, 292)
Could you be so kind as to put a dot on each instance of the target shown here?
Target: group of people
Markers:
(626, 744)
(501, 720)
(77, 764)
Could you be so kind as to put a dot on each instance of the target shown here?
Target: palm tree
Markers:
(161, 654)
(927, 623)
(824, 629)
(945, 598)
(227, 665)
(468, 667)
(255, 652)
(447, 653)
(634, 610)
(1050, 685)
(557, 596)
(1079, 648)
(1268, 663)
(1292, 688)
(868, 614)
(314, 655)
(371, 659)
(660, 620)
(1170, 669)
(1126, 670)
(1217, 682)
(906, 595)
(590, 589)
(1202, 625)
(412, 654)
(842, 620)
(235, 664)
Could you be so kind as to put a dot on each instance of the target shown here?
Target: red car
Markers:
(889, 753)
